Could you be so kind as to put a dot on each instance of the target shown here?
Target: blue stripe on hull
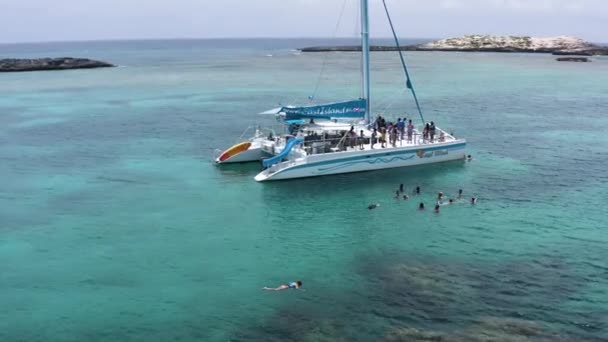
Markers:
(377, 155)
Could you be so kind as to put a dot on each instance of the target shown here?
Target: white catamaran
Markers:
(341, 138)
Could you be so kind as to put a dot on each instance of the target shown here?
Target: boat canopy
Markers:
(344, 109)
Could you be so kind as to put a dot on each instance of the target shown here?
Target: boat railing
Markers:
(313, 145)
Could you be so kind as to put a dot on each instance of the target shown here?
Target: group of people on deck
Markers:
(397, 131)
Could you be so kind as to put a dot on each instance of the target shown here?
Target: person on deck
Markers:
(374, 135)
(401, 128)
(410, 131)
(383, 137)
(426, 131)
(432, 131)
(361, 140)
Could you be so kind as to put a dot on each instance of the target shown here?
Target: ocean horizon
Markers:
(115, 224)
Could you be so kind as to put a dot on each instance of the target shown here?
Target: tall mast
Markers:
(365, 57)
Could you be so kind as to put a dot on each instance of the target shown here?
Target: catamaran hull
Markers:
(333, 163)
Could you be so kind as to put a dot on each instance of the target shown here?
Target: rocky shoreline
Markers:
(562, 45)
(39, 64)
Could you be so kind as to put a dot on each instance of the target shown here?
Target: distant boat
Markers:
(340, 137)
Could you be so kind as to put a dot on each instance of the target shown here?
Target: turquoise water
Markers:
(115, 225)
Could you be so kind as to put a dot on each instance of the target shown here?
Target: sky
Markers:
(66, 20)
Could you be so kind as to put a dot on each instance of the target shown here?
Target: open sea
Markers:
(115, 225)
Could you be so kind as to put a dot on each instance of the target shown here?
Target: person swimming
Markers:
(292, 285)
(437, 206)
(397, 194)
(421, 206)
(459, 193)
(401, 188)
(417, 191)
(469, 158)
(473, 200)
(373, 206)
(440, 196)
(451, 201)
(406, 197)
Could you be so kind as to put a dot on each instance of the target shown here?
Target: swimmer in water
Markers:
(406, 197)
(473, 200)
(451, 201)
(469, 158)
(421, 206)
(400, 187)
(397, 194)
(373, 206)
(292, 285)
(417, 191)
(437, 208)
(440, 196)
(459, 193)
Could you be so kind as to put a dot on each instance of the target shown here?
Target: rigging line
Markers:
(408, 82)
(314, 93)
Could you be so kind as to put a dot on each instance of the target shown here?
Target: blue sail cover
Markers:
(346, 109)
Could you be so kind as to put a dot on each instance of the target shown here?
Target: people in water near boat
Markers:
(437, 208)
(421, 206)
(397, 194)
(469, 158)
(406, 197)
(473, 200)
(451, 201)
(440, 196)
(373, 206)
(291, 285)
(401, 187)
(417, 191)
(459, 193)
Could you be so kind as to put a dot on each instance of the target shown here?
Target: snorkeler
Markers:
(373, 206)
(292, 285)
(421, 206)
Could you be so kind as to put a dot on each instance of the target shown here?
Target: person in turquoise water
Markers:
(291, 285)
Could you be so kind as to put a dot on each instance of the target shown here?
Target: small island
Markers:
(562, 45)
(39, 64)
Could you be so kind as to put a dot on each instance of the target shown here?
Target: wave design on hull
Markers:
(369, 161)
